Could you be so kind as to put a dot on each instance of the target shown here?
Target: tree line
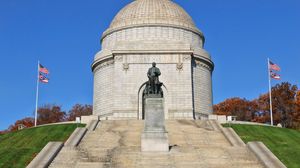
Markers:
(52, 113)
(285, 103)
(285, 98)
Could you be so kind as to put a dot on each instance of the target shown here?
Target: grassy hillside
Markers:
(17, 149)
(284, 143)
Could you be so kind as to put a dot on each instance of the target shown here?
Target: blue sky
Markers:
(65, 35)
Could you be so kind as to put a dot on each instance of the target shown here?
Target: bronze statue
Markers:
(153, 85)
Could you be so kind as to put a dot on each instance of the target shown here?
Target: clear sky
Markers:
(65, 35)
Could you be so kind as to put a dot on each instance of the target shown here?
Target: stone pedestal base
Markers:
(155, 142)
(155, 136)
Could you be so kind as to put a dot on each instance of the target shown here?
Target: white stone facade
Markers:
(136, 38)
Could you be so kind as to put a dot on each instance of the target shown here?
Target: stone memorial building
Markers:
(143, 32)
(153, 67)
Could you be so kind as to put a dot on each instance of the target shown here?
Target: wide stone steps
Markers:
(192, 144)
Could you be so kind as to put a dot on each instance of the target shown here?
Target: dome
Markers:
(152, 13)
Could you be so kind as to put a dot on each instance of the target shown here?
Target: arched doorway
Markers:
(141, 112)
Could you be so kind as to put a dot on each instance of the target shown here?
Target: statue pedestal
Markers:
(155, 137)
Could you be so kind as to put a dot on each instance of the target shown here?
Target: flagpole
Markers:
(270, 93)
(37, 94)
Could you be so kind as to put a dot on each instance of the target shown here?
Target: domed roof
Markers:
(152, 12)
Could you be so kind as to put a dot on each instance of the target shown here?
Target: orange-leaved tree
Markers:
(242, 108)
(50, 114)
(79, 110)
(284, 102)
(25, 122)
(296, 114)
(263, 106)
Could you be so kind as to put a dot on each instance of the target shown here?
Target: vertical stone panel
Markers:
(202, 88)
(103, 77)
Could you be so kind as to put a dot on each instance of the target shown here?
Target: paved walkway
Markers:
(194, 144)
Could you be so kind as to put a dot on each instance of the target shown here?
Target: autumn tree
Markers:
(242, 108)
(4, 131)
(26, 122)
(263, 103)
(79, 110)
(284, 102)
(50, 114)
(296, 114)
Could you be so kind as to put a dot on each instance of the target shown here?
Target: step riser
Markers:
(193, 144)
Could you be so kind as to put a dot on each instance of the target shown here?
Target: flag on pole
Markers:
(273, 66)
(43, 74)
(43, 78)
(43, 69)
(272, 75)
(275, 75)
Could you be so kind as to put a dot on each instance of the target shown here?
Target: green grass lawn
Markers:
(17, 149)
(284, 143)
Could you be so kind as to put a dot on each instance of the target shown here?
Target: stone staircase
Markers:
(193, 144)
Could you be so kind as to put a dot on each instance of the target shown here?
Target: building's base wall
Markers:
(119, 85)
(120, 76)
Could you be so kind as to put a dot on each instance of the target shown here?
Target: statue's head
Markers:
(153, 64)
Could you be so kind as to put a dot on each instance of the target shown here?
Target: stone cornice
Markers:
(102, 62)
(204, 62)
(152, 52)
(110, 31)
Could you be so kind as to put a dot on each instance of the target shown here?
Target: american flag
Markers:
(273, 66)
(43, 69)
